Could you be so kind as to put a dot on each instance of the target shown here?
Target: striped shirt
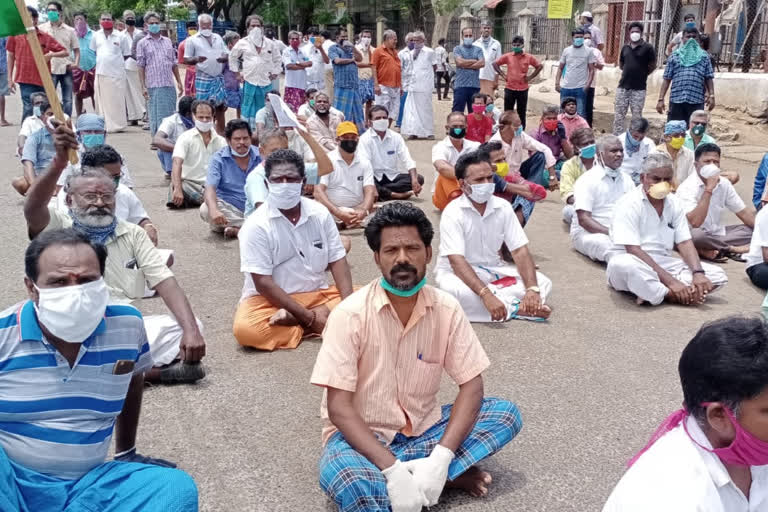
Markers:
(157, 58)
(55, 419)
(393, 370)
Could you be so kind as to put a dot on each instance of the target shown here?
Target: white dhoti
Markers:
(390, 99)
(593, 245)
(568, 213)
(418, 119)
(109, 94)
(134, 99)
(627, 273)
(164, 335)
(511, 295)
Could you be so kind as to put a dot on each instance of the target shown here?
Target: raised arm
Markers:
(324, 165)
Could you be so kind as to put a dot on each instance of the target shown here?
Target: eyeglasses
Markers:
(91, 197)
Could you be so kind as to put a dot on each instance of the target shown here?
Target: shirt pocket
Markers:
(318, 255)
(423, 383)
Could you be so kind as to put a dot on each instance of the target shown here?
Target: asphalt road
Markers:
(592, 383)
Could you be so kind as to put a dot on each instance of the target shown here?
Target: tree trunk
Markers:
(442, 21)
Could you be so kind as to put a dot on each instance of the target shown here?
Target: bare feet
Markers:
(401, 195)
(474, 481)
(544, 312)
(3, 122)
(283, 317)
(231, 232)
(739, 249)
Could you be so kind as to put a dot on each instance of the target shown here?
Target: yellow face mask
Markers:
(502, 169)
(660, 190)
(677, 142)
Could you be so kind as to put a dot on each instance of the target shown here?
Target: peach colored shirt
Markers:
(395, 371)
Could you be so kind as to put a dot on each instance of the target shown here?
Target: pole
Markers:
(42, 68)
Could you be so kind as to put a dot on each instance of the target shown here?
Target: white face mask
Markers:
(588, 43)
(206, 32)
(366, 41)
(380, 125)
(256, 35)
(248, 151)
(482, 192)
(635, 36)
(203, 127)
(72, 313)
(709, 171)
(284, 196)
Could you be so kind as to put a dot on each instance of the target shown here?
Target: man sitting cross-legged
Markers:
(285, 248)
(705, 194)
(133, 264)
(595, 196)
(73, 375)
(388, 443)
(473, 230)
(647, 224)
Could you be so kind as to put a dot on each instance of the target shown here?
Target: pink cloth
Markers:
(672, 421)
(294, 98)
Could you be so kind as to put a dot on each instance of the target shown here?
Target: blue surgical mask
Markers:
(403, 293)
(36, 111)
(578, 41)
(588, 151)
(690, 24)
(154, 28)
(312, 40)
(519, 131)
(468, 41)
(411, 46)
(93, 139)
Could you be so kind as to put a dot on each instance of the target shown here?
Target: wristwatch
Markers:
(534, 289)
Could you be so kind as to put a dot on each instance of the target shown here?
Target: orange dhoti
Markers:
(446, 190)
(251, 326)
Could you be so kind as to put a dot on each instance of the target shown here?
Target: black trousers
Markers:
(401, 184)
(758, 274)
(682, 111)
(589, 105)
(521, 98)
(439, 77)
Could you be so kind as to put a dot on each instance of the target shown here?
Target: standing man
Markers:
(387, 441)
(442, 70)
(156, 60)
(576, 71)
(316, 53)
(469, 61)
(61, 67)
(134, 97)
(365, 71)
(689, 72)
(491, 52)
(83, 76)
(277, 70)
(599, 64)
(516, 76)
(259, 56)
(689, 21)
(296, 64)
(594, 30)
(3, 81)
(208, 52)
(112, 50)
(21, 63)
(387, 74)
(327, 44)
(407, 75)
(637, 61)
(418, 121)
(346, 93)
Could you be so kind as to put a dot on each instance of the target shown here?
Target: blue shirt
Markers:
(39, 149)
(87, 56)
(228, 178)
(3, 57)
(468, 77)
(55, 419)
(688, 84)
(345, 75)
(760, 179)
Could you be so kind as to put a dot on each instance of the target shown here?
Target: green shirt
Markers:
(705, 139)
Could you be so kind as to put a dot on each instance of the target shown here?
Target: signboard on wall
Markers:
(559, 9)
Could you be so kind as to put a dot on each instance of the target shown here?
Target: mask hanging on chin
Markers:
(72, 313)
(403, 293)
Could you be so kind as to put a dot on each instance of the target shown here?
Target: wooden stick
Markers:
(42, 68)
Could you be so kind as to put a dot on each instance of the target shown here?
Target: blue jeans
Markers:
(65, 81)
(462, 98)
(533, 169)
(26, 90)
(581, 99)
(402, 108)
(166, 159)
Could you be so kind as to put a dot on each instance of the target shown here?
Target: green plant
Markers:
(178, 12)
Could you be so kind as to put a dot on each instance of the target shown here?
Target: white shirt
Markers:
(635, 222)
(30, 126)
(677, 475)
(597, 193)
(441, 58)
(257, 65)
(317, 72)
(128, 206)
(490, 53)
(423, 70)
(724, 196)
(759, 239)
(296, 256)
(196, 156)
(296, 78)
(520, 149)
(327, 47)
(110, 53)
(172, 126)
(406, 65)
(464, 232)
(633, 164)
(388, 156)
(345, 184)
(199, 46)
(445, 150)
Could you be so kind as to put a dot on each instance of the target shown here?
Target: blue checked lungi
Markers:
(357, 485)
(366, 90)
(253, 101)
(350, 104)
(109, 487)
(161, 104)
(234, 98)
(210, 88)
(525, 204)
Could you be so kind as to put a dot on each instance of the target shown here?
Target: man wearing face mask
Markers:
(551, 133)
(285, 250)
(705, 194)
(637, 147)
(583, 142)
(571, 120)
(689, 21)
(716, 446)
(350, 191)
(71, 328)
(697, 130)
(599, 64)
(346, 92)
(388, 445)
(595, 195)
(315, 51)
(61, 68)
(594, 31)
(636, 61)
(517, 63)
(648, 223)
(394, 171)
(135, 100)
(269, 35)
(576, 71)
(489, 80)
(387, 74)
(112, 50)
(445, 154)
(33, 123)
(673, 144)
(518, 145)
(406, 73)
(83, 75)
(324, 122)
(473, 229)
(418, 120)
(38, 151)
(365, 71)
(469, 60)
(296, 65)
(191, 155)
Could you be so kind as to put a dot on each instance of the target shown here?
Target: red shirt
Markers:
(25, 71)
(479, 131)
(517, 69)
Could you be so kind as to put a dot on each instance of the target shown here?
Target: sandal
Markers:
(735, 256)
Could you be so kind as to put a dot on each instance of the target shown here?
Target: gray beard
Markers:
(94, 220)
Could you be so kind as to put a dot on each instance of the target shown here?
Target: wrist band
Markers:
(126, 452)
(698, 271)
(484, 291)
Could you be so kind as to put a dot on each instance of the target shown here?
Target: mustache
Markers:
(403, 267)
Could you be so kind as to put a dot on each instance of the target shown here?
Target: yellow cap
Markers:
(345, 128)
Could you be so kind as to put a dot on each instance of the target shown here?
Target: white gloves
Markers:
(430, 473)
(404, 493)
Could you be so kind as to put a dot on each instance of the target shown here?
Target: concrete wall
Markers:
(746, 92)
